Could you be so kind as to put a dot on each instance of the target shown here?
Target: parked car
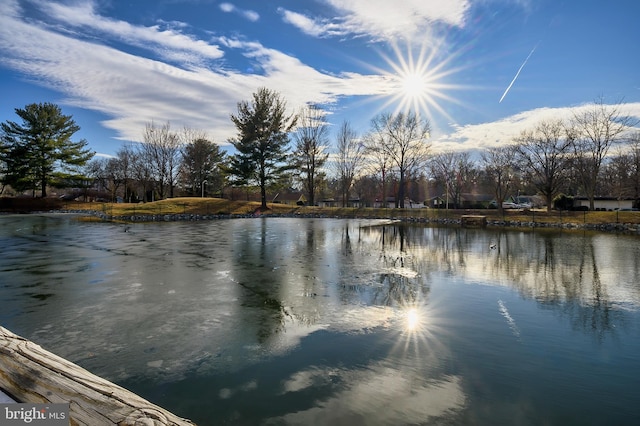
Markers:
(509, 205)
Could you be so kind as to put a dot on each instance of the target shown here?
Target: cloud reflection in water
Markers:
(381, 391)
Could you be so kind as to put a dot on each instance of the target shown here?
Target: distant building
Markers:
(327, 202)
(604, 203)
(391, 203)
(475, 201)
(437, 202)
(289, 198)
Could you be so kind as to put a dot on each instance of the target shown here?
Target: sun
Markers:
(413, 85)
(417, 79)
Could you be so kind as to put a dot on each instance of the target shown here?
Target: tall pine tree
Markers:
(39, 151)
(262, 141)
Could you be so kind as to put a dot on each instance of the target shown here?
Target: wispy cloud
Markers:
(502, 132)
(364, 394)
(134, 90)
(313, 27)
(167, 43)
(247, 14)
(381, 19)
(182, 78)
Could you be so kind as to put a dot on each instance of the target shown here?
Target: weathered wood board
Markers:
(473, 220)
(29, 373)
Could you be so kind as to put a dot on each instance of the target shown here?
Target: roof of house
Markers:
(605, 198)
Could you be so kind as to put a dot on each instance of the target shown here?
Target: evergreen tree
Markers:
(262, 141)
(40, 152)
(201, 167)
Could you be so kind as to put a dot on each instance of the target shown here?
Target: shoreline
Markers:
(609, 227)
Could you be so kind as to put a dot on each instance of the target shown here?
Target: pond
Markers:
(284, 321)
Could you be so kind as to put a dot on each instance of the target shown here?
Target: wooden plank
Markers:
(32, 374)
(473, 220)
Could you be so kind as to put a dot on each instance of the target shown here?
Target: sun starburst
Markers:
(417, 79)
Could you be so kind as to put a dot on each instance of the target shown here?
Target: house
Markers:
(437, 202)
(289, 198)
(535, 201)
(467, 201)
(391, 203)
(328, 202)
(475, 201)
(604, 203)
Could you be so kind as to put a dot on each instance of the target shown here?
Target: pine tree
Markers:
(40, 151)
(262, 141)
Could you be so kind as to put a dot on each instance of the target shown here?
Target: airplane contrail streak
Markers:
(518, 73)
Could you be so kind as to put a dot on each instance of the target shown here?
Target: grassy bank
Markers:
(218, 206)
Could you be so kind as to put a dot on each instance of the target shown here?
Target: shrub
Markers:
(563, 202)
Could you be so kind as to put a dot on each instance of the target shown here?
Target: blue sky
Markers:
(479, 70)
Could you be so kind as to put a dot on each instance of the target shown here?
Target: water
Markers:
(330, 321)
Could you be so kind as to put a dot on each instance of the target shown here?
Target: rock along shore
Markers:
(627, 228)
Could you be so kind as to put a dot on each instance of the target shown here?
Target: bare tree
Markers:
(594, 131)
(378, 161)
(98, 170)
(114, 174)
(143, 174)
(622, 173)
(454, 170)
(634, 175)
(499, 165)
(403, 138)
(311, 138)
(161, 148)
(349, 158)
(125, 158)
(365, 187)
(543, 154)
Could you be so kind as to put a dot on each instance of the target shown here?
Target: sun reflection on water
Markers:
(412, 320)
(418, 334)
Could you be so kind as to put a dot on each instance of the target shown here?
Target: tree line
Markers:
(592, 153)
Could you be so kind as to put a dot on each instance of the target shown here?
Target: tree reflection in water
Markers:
(561, 271)
(334, 321)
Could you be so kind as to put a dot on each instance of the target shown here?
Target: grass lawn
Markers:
(209, 206)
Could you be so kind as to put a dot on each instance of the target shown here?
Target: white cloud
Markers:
(382, 19)
(194, 90)
(227, 7)
(388, 395)
(312, 27)
(502, 132)
(250, 15)
(168, 43)
(133, 90)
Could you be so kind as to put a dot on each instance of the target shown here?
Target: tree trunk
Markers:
(263, 196)
(31, 374)
(400, 202)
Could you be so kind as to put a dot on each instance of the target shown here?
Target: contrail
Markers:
(510, 320)
(518, 73)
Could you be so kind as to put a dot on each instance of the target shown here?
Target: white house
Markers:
(604, 203)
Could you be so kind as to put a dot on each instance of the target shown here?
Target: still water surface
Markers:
(331, 321)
